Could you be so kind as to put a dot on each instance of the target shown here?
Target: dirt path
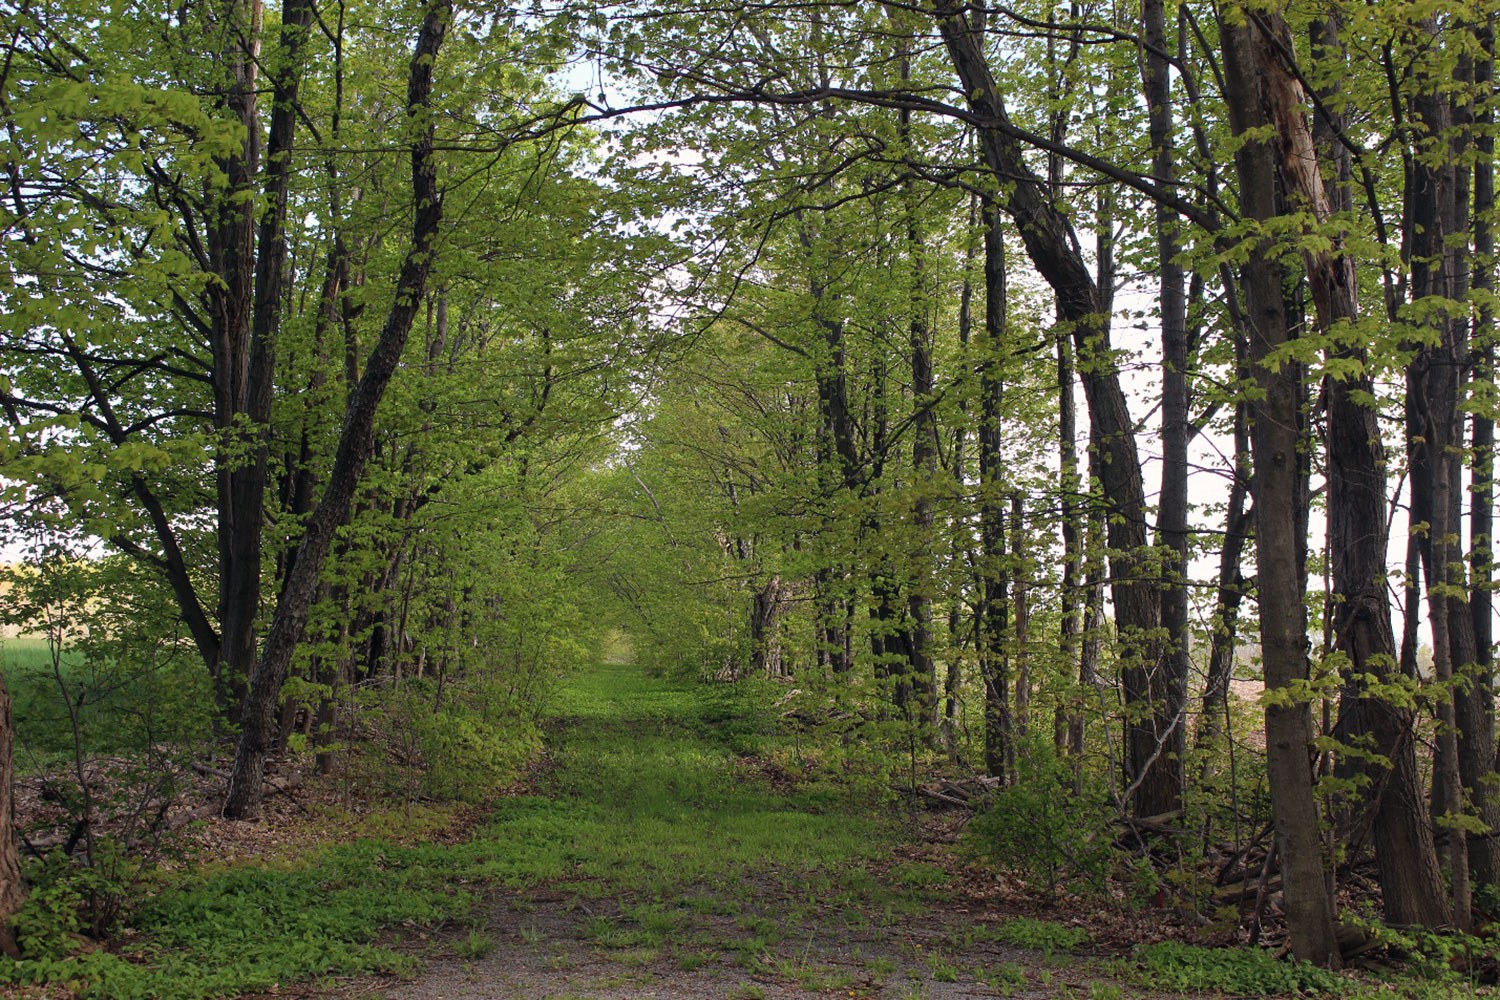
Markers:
(657, 860)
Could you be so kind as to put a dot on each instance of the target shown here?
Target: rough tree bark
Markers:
(1484, 851)
(921, 666)
(12, 888)
(1172, 509)
(994, 609)
(1437, 213)
(250, 255)
(1411, 885)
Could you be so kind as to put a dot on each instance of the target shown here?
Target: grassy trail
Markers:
(654, 860)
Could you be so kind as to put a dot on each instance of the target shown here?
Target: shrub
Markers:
(1040, 829)
(458, 746)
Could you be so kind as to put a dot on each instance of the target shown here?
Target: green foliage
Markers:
(1243, 971)
(67, 898)
(250, 927)
(475, 946)
(1041, 829)
(1005, 978)
(98, 669)
(455, 742)
(1436, 956)
(669, 813)
(1046, 936)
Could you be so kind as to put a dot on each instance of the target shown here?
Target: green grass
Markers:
(644, 803)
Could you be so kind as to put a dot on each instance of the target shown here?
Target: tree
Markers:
(1257, 96)
(12, 888)
(1153, 772)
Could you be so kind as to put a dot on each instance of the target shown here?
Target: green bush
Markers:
(1041, 829)
(457, 746)
(67, 898)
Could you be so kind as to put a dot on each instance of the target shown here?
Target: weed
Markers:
(918, 875)
(746, 991)
(811, 976)
(943, 970)
(687, 961)
(636, 956)
(1005, 978)
(477, 945)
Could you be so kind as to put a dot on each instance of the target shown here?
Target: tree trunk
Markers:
(1477, 761)
(12, 888)
(355, 441)
(231, 242)
(1231, 591)
(994, 617)
(1072, 540)
(1020, 616)
(765, 627)
(1433, 439)
(1168, 728)
(1411, 885)
(1279, 544)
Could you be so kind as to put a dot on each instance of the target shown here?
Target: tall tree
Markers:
(1172, 509)
(1256, 95)
(12, 888)
(1153, 772)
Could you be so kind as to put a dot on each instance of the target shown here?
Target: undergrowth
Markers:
(1240, 971)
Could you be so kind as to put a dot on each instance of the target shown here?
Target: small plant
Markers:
(811, 976)
(687, 961)
(746, 991)
(943, 970)
(475, 946)
(1005, 978)
(636, 957)
(918, 874)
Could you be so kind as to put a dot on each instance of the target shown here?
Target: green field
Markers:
(117, 708)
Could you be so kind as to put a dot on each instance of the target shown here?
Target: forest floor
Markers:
(657, 854)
